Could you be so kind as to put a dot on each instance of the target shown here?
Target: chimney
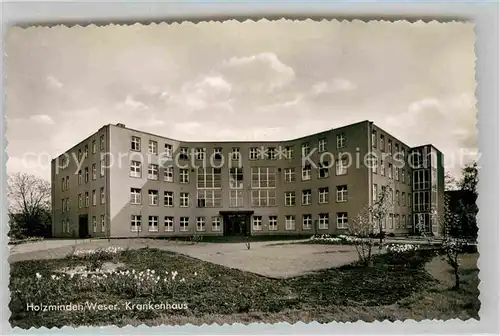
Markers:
(120, 125)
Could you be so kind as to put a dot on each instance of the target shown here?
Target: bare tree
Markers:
(380, 210)
(29, 202)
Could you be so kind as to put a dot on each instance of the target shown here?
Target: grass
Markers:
(220, 294)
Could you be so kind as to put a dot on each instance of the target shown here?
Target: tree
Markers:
(469, 177)
(452, 245)
(29, 205)
(369, 223)
(450, 183)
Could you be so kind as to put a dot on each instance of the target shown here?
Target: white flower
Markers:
(38, 275)
(182, 280)
(152, 271)
(53, 276)
(195, 274)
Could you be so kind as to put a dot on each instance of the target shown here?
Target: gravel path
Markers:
(272, 259)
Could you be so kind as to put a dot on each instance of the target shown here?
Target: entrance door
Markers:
(83, 226)
(236, 224)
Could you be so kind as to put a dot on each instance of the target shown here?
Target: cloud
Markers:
(42, 119)
(260, 72)
(54, 83)
(332, 86)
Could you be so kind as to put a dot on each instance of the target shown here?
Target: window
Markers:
(209, 198)
(80, 154)
(306, 222)
(305, 149)
(216, 223)
(342, 193)
(322, 145)
(153, 197)
(323, 171)
(94, 171)
(63, 183)
(94, 198)
(306, 197)
(306, 173)
(402, 175)
(184, 175)
(263, 177)
(236, 178)
(86, 199)
(80, 201)
(200, 223)
(235, 198)
(86, 152)
(396, 148)
(290, 198)
(264, 198)
(103, 166)
(289, 174)
(169, 224)
(323, 221)
(289, 152)
(409, 200)
(271, 153)
(80, 177)
(396, 173)
(403, 221)
(94, 224)
(389, 171)
(257, 223)
(67, 204)
(218, 153)
(86, 174)
(94, 147)
(382, 143)
(382, 167)
(208, 178)
(101, 142)
(391, 225)
(273, 223)
(135, 224)
(184, 223)
(168, 174)
(403, 198)
(374, 163)
(135, 169)
(235, 153)
(153, 223)
(289, 222)
(421, 201)
(168, 198)
(152, 172)
(63, 205)
(421, 179)
(135, 144)
(396, 219)
(374, 139)
(397, 198)
(389, 146)
(253, 153)
(135, 196)
(342, 166)
(323, 195)
(199, 153)
(342, 221)
(184, 199)
(183, 153)
(103, 224)
(374, 193)
(168, 151)
(341, 140)
(153, 149)
(67, 182)
(403, 155)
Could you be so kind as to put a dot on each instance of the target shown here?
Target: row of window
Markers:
(213, 198)
(83, 177)
(402, 200)
(85, 153)
(254, 153)
(257, 222)
(66, 224)
(381, 144)
(84, 200)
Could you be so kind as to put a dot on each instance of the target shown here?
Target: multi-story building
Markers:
(121, 182)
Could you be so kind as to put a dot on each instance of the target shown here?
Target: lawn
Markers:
(214, 293)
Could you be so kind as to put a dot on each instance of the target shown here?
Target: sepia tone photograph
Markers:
(240, 172)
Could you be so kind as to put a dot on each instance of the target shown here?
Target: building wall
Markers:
(69, 171)
(117, 209)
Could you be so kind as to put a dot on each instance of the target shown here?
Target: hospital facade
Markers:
(122, 182)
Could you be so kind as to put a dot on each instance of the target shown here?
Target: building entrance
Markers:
(236, 223)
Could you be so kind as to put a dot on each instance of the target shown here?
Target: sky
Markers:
(260, 80)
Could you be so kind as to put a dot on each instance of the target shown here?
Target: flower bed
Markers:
(330, 239)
